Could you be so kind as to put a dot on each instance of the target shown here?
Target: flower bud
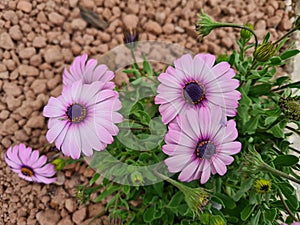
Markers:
(136, 178)
(130, 37)
(205, 25)
(59, 164)
(262, 186)
(246, 34)
(290, 107)
(216, 220)
(264, 52)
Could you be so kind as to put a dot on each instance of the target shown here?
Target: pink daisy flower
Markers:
(88, 72)
(29, 165)
(199, 144)
(83, 118)
(196, 83)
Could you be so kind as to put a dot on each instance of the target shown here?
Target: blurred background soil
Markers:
(39, 38)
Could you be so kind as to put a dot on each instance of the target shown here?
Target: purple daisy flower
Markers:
(83, 118)
(196, 83)
(29, 165)
(88, 72)
(199, 144)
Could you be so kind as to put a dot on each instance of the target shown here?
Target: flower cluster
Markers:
(81, 120)
(195, 97)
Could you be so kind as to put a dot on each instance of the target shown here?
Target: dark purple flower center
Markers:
(193, 92)
(27, 171)
(76, 113)
(205, 149)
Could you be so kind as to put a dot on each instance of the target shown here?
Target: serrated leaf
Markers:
(285, 160)
(247, 211)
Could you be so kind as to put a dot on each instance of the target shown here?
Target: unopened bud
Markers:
(59, 164)
(216, 220)
(246, 34)
(130, 37)
(205, 25)
(264, 52)
(136, 178)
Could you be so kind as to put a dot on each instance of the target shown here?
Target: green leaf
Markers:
(277, 131)
(176, 199)
(149, 214)
(275, 61)
(252, 124)
(245, 186)
(290, 194)
(159, 187)
(126, 189)
(270, 214)
(228, 202)
(106, 193)
(266, 37)
(269, 120)
(286, 160)
(247, 211)
(289, 54)
(94, 178)
(147, 67)
(281, 80)
(259, 90)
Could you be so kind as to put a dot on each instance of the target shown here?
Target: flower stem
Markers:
(279, 173)
(241, 27)
(285, 35)
(180, 186)
(285, 86)
(286, 206)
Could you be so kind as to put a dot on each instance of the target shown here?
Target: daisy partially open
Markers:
(83, 118)
(196, 83)
(200, 145)
(88, 71)
(29, 165)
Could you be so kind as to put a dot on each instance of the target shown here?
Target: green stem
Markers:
(286, 206)
(279, 173)
(285, 86)
(241, 27)
(135, 62)
(285, 35)
(180, 186)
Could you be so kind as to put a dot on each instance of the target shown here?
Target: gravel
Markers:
(39, 38)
